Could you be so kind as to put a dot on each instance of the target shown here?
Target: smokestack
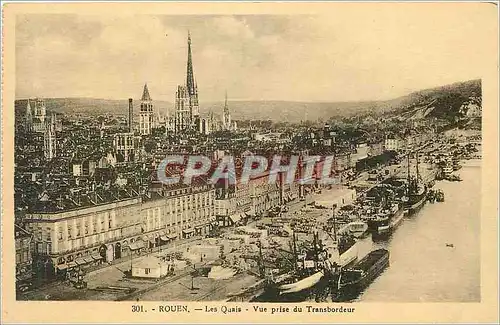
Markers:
(130, 115)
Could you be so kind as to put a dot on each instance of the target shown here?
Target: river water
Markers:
(422, 268)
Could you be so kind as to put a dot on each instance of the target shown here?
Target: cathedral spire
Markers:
(226, 116)
(190, 75)
(225, 103)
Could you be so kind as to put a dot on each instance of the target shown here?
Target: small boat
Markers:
(439, 196)
(431, 196)
(450, 245)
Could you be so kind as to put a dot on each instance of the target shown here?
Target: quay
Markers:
(107, 282)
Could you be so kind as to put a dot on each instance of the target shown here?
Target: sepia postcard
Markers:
(250, 162)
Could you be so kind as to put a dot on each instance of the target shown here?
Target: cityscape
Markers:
(94, 221)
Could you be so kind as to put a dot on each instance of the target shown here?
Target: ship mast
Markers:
(295, 260)
(408, 172)
(334, 223)
(261, 262)
(315, 244)
(417, 165)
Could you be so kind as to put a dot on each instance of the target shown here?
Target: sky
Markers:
(374, 55)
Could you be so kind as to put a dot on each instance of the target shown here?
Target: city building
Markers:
(263, 195)
(394, 144)
(24, 258)
(232, 203)
(65, 239)
(376, 149)
(186, 211)
(35, 117)
(150, 267)
(146, 113)
(126, 146)
(68, 239)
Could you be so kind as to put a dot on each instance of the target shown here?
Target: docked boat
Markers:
(447, 170)
(392, 220)
(312, 274)
(417, 196)
(315, 269)
(389, 214)
(416, 190)
(341, 252)
(352, 281)
(301, 285)
(358, 229)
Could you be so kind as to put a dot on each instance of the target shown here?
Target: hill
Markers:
(446, 102)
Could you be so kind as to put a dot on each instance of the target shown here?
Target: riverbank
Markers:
(423, 267)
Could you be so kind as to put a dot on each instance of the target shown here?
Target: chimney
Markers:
(130, 115)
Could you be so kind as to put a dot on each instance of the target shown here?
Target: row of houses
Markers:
(62, 240)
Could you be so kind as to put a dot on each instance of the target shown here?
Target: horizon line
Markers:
(266, 100)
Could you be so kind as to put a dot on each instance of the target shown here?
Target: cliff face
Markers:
(453, 103)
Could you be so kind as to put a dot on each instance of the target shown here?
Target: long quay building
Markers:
(85, 236)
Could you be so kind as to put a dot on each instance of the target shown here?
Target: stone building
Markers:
(146, 113)
(24, 258)
(68, 239)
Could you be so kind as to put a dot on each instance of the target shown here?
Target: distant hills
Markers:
(444, 102)
(441, 102)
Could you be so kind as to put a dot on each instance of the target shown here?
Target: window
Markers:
(147, 271)
(86, 229)
(60, 235)
(78, 232)
(69, 232)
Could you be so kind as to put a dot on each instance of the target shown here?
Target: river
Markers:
(422, 268)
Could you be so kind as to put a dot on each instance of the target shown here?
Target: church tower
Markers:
(146, 115)
(28, 118)
(49, 139)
